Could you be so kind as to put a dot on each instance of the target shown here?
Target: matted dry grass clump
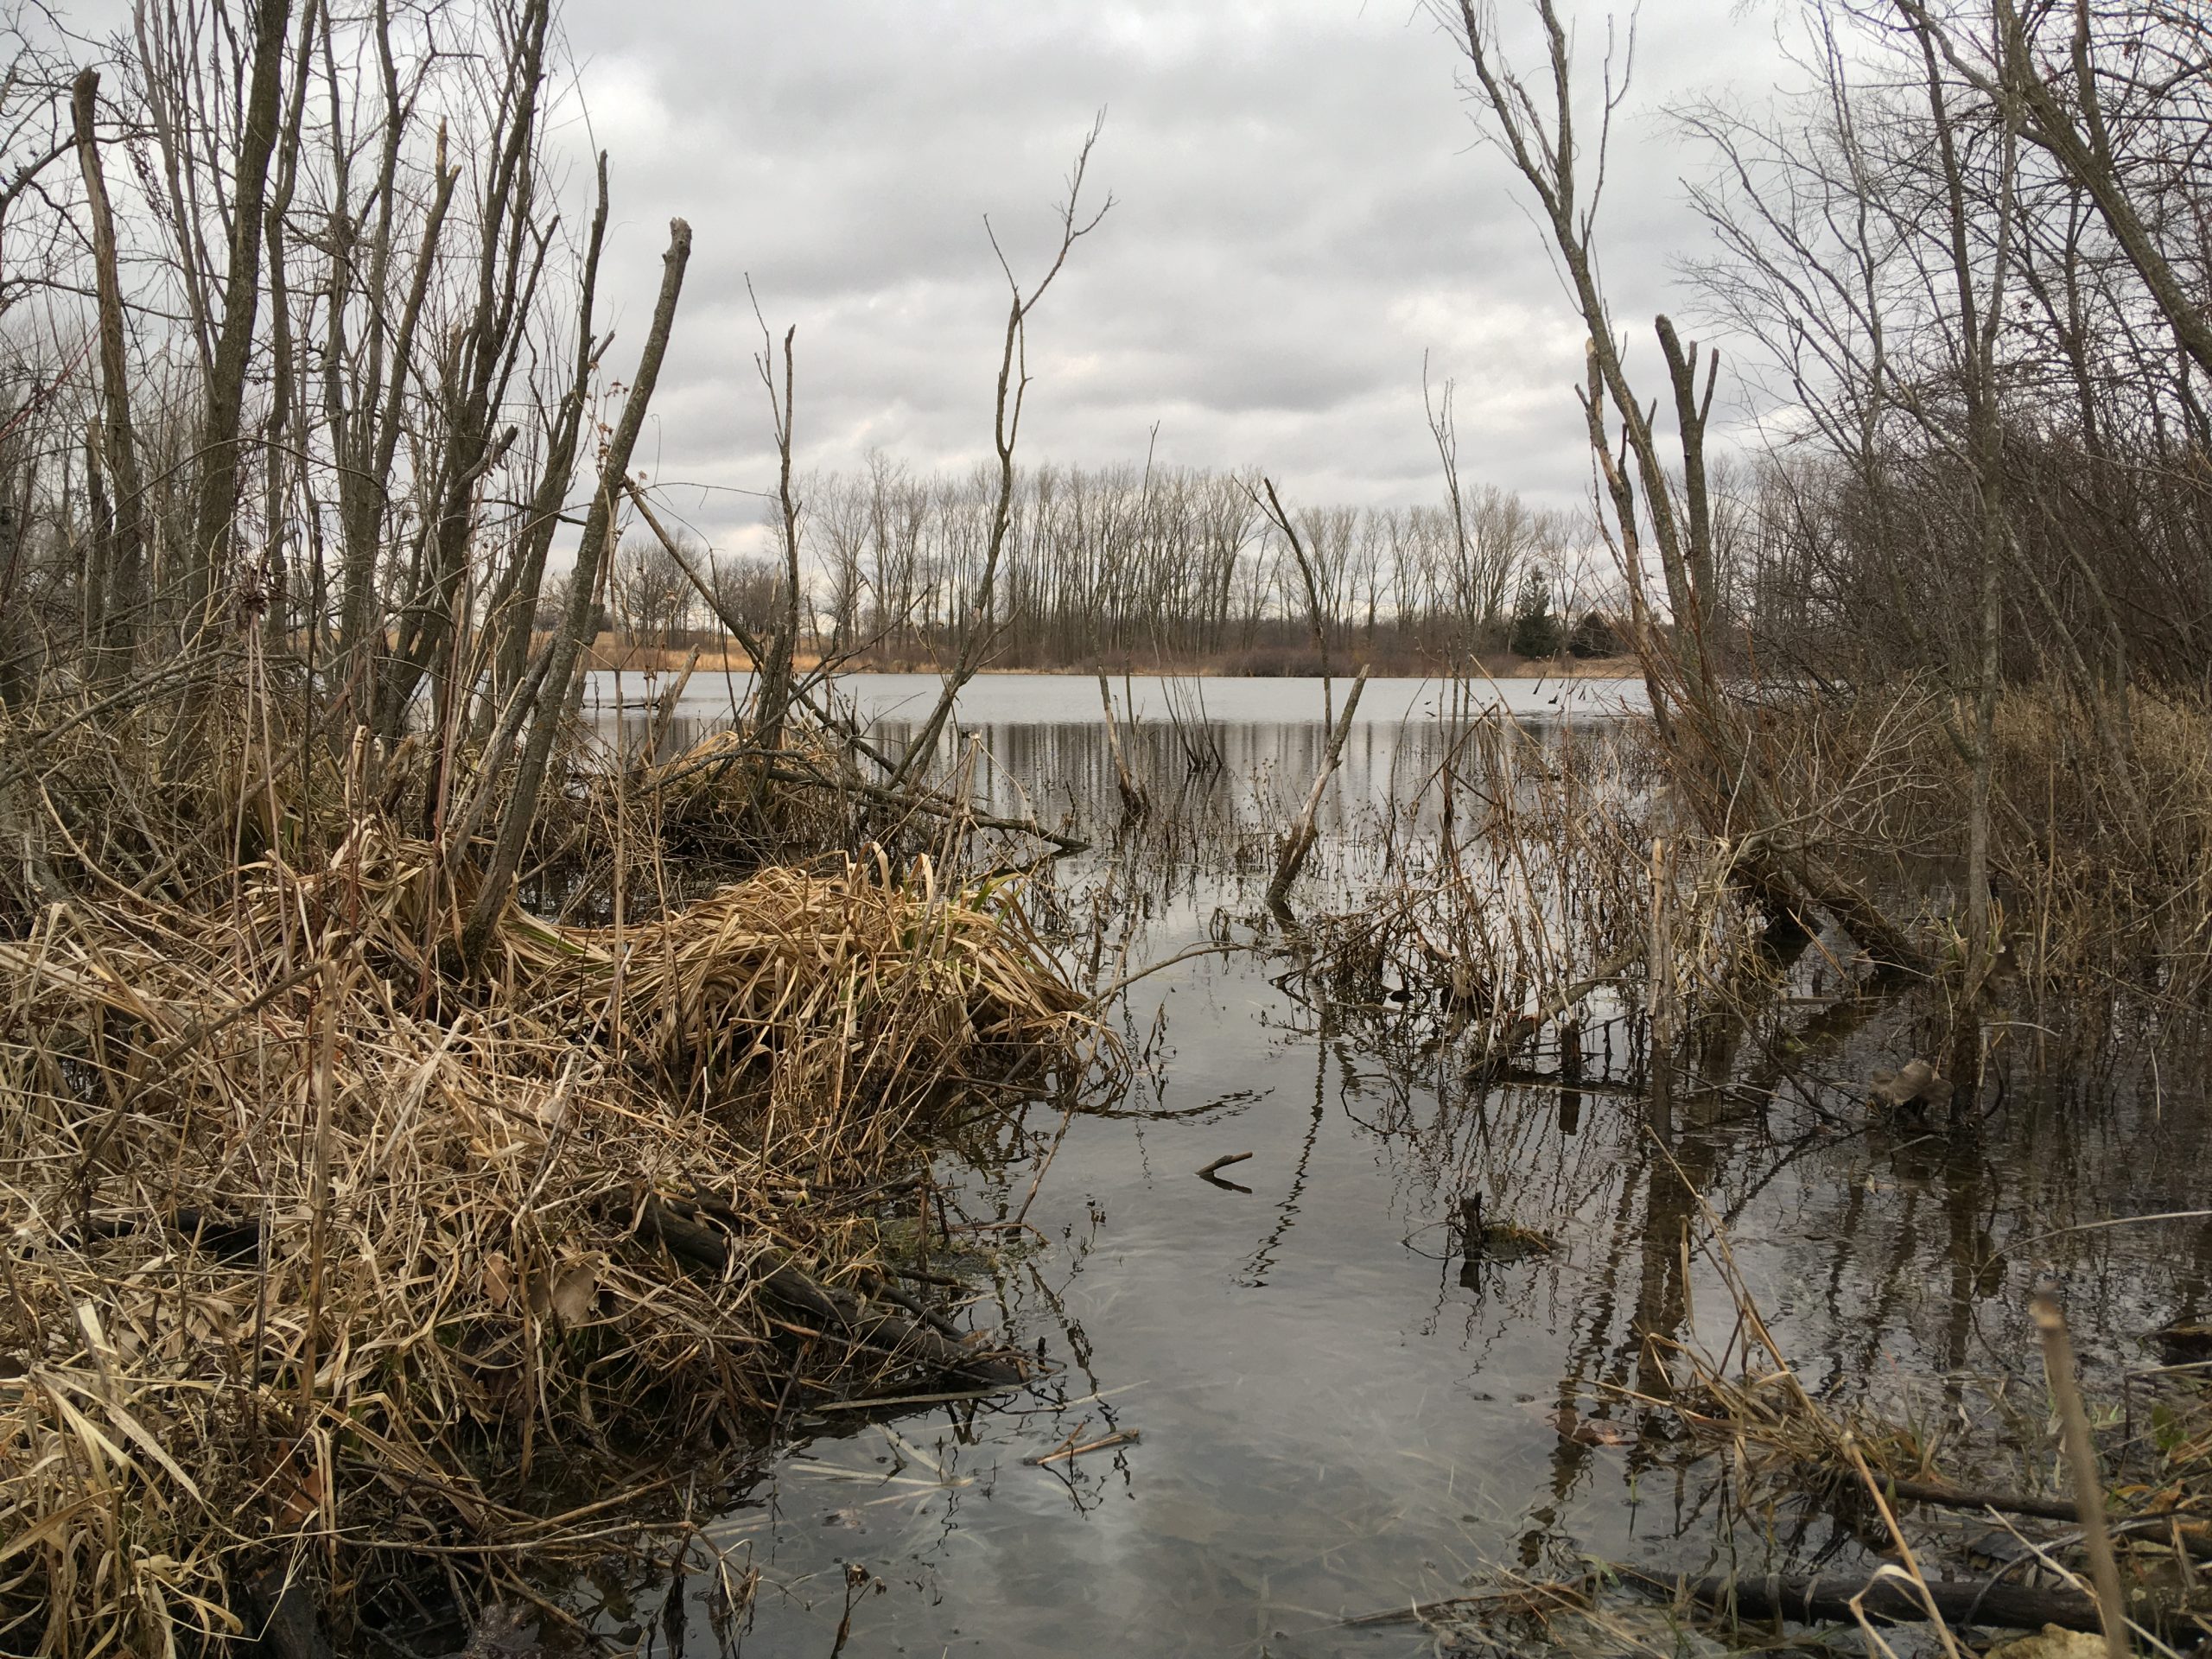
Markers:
(2101, 840)
(315, 1245)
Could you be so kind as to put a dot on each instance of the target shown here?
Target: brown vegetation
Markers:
(1971, 557)
(314, 1242)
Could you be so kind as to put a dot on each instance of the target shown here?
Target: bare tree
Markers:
(652, 594)
(118, 576)
(1540, 138)
(1012, 393)
(566, 646)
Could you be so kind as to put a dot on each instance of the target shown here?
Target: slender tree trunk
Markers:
(1299, 843)
(772, 684)
(514, 605)
(215, 493)
(576, 625)
(122, 586)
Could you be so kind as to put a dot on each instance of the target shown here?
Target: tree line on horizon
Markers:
(1123, 565)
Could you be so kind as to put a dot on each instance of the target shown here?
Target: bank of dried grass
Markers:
(318, 1248)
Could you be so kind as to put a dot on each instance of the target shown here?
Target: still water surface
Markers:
(1334, 1419)
(1073, 699)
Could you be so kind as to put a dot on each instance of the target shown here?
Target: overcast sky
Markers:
(1301, 212)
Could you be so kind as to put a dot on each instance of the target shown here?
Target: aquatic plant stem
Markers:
(2081, 1467)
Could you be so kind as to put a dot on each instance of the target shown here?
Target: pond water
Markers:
(1331, 1418)
(1002, 700)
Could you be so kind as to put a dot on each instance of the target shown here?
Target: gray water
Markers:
(1002, 700)
(1334, 1418)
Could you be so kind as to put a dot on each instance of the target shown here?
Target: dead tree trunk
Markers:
(1134, 802)
(1013, 391)
(215, 492)
(1315, 615)
(772, 685)
(515, 601)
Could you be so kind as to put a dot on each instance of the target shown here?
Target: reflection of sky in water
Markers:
(1333, 1423)
(1073, 699)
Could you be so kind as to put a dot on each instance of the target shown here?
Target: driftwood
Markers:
(1120, 1437)
(1827, 1598)
(678, 1225)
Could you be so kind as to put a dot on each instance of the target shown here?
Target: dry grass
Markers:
(316, 1249)
(2108, 866)
(2101, 859)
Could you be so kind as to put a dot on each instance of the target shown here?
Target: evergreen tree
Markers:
(1535, 631)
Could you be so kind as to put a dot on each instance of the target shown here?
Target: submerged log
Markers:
(1960, 1498)
(1827, 1598)
(676, 1225)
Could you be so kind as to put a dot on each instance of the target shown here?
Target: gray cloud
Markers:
(1302, 213)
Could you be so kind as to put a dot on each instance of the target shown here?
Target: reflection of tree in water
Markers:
(1256, 1271)
(1893, 1229)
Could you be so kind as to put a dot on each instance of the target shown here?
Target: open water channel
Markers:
(1331, 1418)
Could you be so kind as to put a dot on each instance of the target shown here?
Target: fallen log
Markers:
(2189, 1532)
(1827, 1598)
(1962, 1497)
(676, 1225)
(882, 1289)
